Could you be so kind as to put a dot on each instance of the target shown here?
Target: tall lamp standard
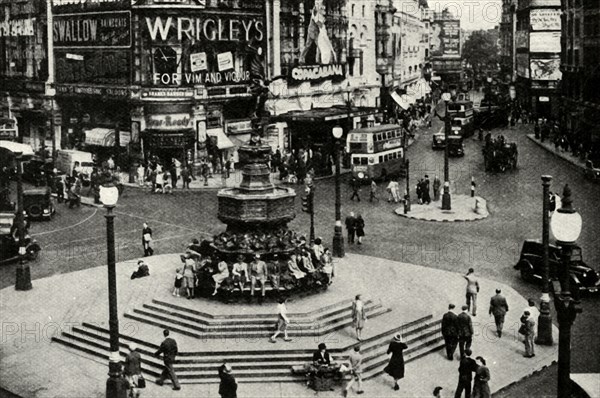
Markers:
(566, 227)
(489, 93)
(446, 200)
(338, 237)
(544, 334)
(23, 281)
(116, 385)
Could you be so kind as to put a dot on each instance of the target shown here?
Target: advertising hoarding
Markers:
(544, 42)
(545, 69)
(545, 19)
(204, 48)
(93, 67)
(445, 38)
(97, 30)
(321, 58)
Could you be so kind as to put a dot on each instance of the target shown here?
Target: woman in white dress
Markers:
(221, 275)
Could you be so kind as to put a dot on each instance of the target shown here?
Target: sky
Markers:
(474, 14)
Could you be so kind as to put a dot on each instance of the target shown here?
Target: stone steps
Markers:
(181, 321)
(258, 365)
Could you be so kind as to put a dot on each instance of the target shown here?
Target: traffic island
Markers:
(55, 337)
(464, 208)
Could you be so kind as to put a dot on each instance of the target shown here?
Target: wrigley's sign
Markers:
(318, 72)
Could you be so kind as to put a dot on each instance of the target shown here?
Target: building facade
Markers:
(25, 109)
(445, 48)
(580, 66)
(506, 39)
(537, 41)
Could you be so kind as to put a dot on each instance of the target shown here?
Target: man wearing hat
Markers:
(528, 329)
(322, 357)
(228, 385)
(258, 272)
(240, 272)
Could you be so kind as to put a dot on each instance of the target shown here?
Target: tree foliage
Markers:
(481, 50)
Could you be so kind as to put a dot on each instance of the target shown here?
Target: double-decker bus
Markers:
(376, 152)
(462, 117)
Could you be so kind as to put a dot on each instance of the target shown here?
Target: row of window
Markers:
(387, 135)
(353, 8)
(364, 160)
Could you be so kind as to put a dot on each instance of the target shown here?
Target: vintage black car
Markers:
(592, 169)
(456, 147)
(438, 140)
(38, 203)
(530, 264)
(36, 170)
(9, 243)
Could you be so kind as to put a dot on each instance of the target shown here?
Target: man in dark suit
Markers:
(351, 227)
(465, 330)
(169, 350)
(228, 385)
(498, 308)
(465, 375)
(321, 357)
(450, 331)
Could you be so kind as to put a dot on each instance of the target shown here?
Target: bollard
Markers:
(473, 185)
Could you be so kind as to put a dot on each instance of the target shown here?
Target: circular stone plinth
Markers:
(464, 208)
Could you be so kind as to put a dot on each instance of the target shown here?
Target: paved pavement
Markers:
(463, 208)
(32, 366)
(565, 155)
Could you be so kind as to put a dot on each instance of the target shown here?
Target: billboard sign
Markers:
(92, 30)
(544, 42)
(545, 19)
(204, 48)
(445, 38)
(545, 69)
(523, 65)
(93, 67)
(321, 58)
(76, 6)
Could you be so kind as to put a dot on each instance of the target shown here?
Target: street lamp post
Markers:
(446, 200)
(338, 237)
(23, 281)
(566, 227)
(116, 385)
(544, 334)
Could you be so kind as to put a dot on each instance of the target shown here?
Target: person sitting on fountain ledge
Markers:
(258, 272)
(240, 272)
(274, 269)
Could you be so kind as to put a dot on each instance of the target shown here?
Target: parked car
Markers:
(438, 141)
(530, 264)
(37, 203)
(592, 169)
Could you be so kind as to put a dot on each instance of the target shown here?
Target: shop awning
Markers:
(404, 100)
(223, 142)
(16, 147)
(106, 137)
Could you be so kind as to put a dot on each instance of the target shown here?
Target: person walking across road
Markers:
(169, 350)
(355, 359)
(450, 331)
(360, 229)
(147, 240)
(472, 290)
(465, 330)
(282, 321)
(355, 185)
(351, 227)
(498, 308)
(465, 375)
(395, 367)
